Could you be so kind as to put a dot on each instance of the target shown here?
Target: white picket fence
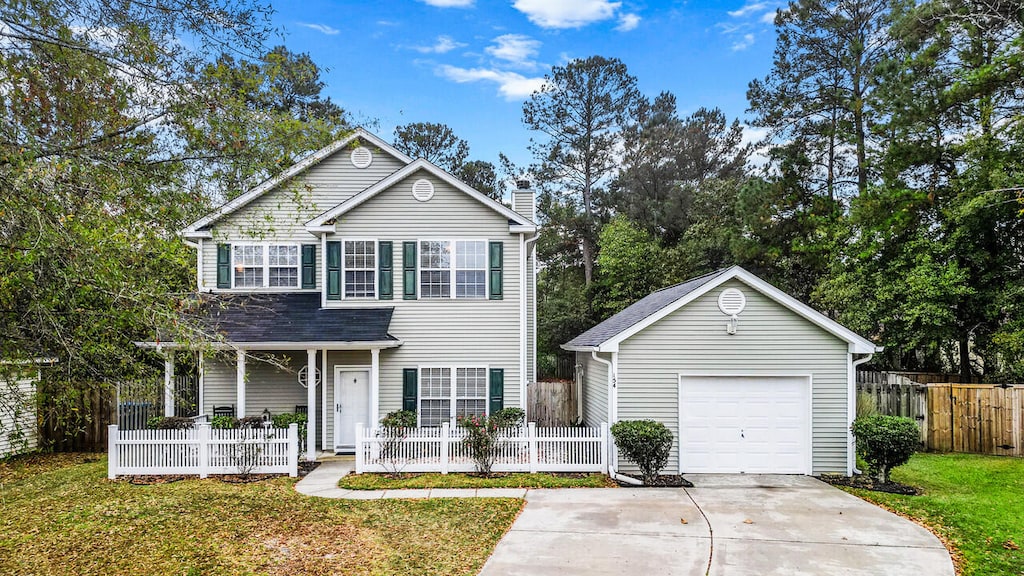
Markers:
(203, 451)
(524, 449)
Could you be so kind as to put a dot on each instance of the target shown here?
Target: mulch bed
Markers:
(228, 478)
(663, 481)
(305, 467)
(866, 482)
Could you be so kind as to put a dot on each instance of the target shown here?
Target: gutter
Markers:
(524, 246)
(613, 399)
(852, 409)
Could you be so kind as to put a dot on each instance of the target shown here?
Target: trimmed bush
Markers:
(170, 423)
(399, 419)
(223, 422)
(285, 419)
(885, 442)
(647, 443)
(509, 417)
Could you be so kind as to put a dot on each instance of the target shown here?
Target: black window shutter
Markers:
(409, 270)
(223, 265)
(309, 265)
(497, 255)
(334, 270)
(385, 272)
(497, 395)
(410, 388)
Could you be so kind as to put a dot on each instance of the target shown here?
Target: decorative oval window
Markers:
(731, 301)
(422, 190)
(361, 157)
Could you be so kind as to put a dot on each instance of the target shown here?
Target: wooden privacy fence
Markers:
(552, 403)
(976, 418)
(524, 449)
(203, 451)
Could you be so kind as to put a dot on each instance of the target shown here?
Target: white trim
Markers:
(374, 387)
(240, 377)
(809, 457)
(323, 400)
(400, 175)
(169, 383)
(201, 368)
(453, 269)
(454, 398)
(193, 230)
(199, 265)
(857, 343)
(323, 271)
(338, 369)
(311, 405)
(375, 269)
(851, 409)
(281, 345)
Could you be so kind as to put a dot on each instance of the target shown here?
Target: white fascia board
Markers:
(327, 345)
(857, 343)
(579, 348)
(197, 234)
(521, 228)
(400, 175)
(297, 168)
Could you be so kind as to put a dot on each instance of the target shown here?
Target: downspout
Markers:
(613, 415)
(524, 246)
(852, 409)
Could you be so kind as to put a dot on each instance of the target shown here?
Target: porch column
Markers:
(374, 387)
(201, 365)
(240, 385)
(169, 383)
(311, 404)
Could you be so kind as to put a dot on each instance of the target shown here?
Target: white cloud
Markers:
(744, 43)
(748, 8)
(566, 13)
(449, 3)
(443, 45)
(323, 28)
(511, 85)
(515, 49)
(628, 22)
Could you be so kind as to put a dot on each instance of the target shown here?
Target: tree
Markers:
(820, 86)
(482, 177)
(436, 143)
(579, 111)
(629, 264)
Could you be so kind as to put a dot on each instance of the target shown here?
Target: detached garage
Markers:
(749, 379)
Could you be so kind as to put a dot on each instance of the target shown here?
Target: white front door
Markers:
(351, 406)
(752, 424)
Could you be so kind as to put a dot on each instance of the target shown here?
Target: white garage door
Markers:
(752, 424)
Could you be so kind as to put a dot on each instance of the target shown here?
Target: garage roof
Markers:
(606, 336)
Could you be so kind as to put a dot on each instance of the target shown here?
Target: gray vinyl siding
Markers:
(219, 381)
(595, 389)
(280, 215)
(440, 332)
(770, 339)
(271, 383)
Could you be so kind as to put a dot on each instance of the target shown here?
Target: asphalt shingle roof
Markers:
(293, 318)
(639, 310)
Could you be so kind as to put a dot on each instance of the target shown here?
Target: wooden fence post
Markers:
(360, 454)
(531, 438)
(112, 463)
(445, 435)
(293, 450)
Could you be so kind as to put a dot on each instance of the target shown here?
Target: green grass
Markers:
(391, 482)
(59, 515)
(975, 502)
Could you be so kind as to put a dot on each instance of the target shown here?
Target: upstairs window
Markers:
(265, 265)
(459, 275)
(360, 268)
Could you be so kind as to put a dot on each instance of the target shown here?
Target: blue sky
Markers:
(471, 63)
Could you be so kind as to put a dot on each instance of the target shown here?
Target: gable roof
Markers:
(522, 223)
(606, 336)
(196, 228)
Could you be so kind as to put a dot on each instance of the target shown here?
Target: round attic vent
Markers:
(422, 190)
(361, 157)
(731, 301)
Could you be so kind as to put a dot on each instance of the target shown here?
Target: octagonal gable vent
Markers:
(422, 190)
(362, 157)
(731, 301)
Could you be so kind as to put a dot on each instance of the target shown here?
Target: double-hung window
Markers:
(447, 275)
(449, 393)
(360, 268)
(265, 265)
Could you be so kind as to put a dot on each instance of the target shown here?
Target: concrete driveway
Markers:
(727, 525)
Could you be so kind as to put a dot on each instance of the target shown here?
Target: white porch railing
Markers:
(525, 449)
(203, 451)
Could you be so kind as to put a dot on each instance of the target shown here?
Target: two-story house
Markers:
(391, 281)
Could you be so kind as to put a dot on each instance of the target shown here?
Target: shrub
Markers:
(885, 442)
(482, 440)
(399, 419)
(646, 443)
(510, 417)
(170, 423)
(250, 422)
(223, 422)
(285, 419)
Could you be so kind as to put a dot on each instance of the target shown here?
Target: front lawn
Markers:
(390, 482)
(59, 515)
(975, 502)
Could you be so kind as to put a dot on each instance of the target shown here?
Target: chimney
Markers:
(523, 200)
